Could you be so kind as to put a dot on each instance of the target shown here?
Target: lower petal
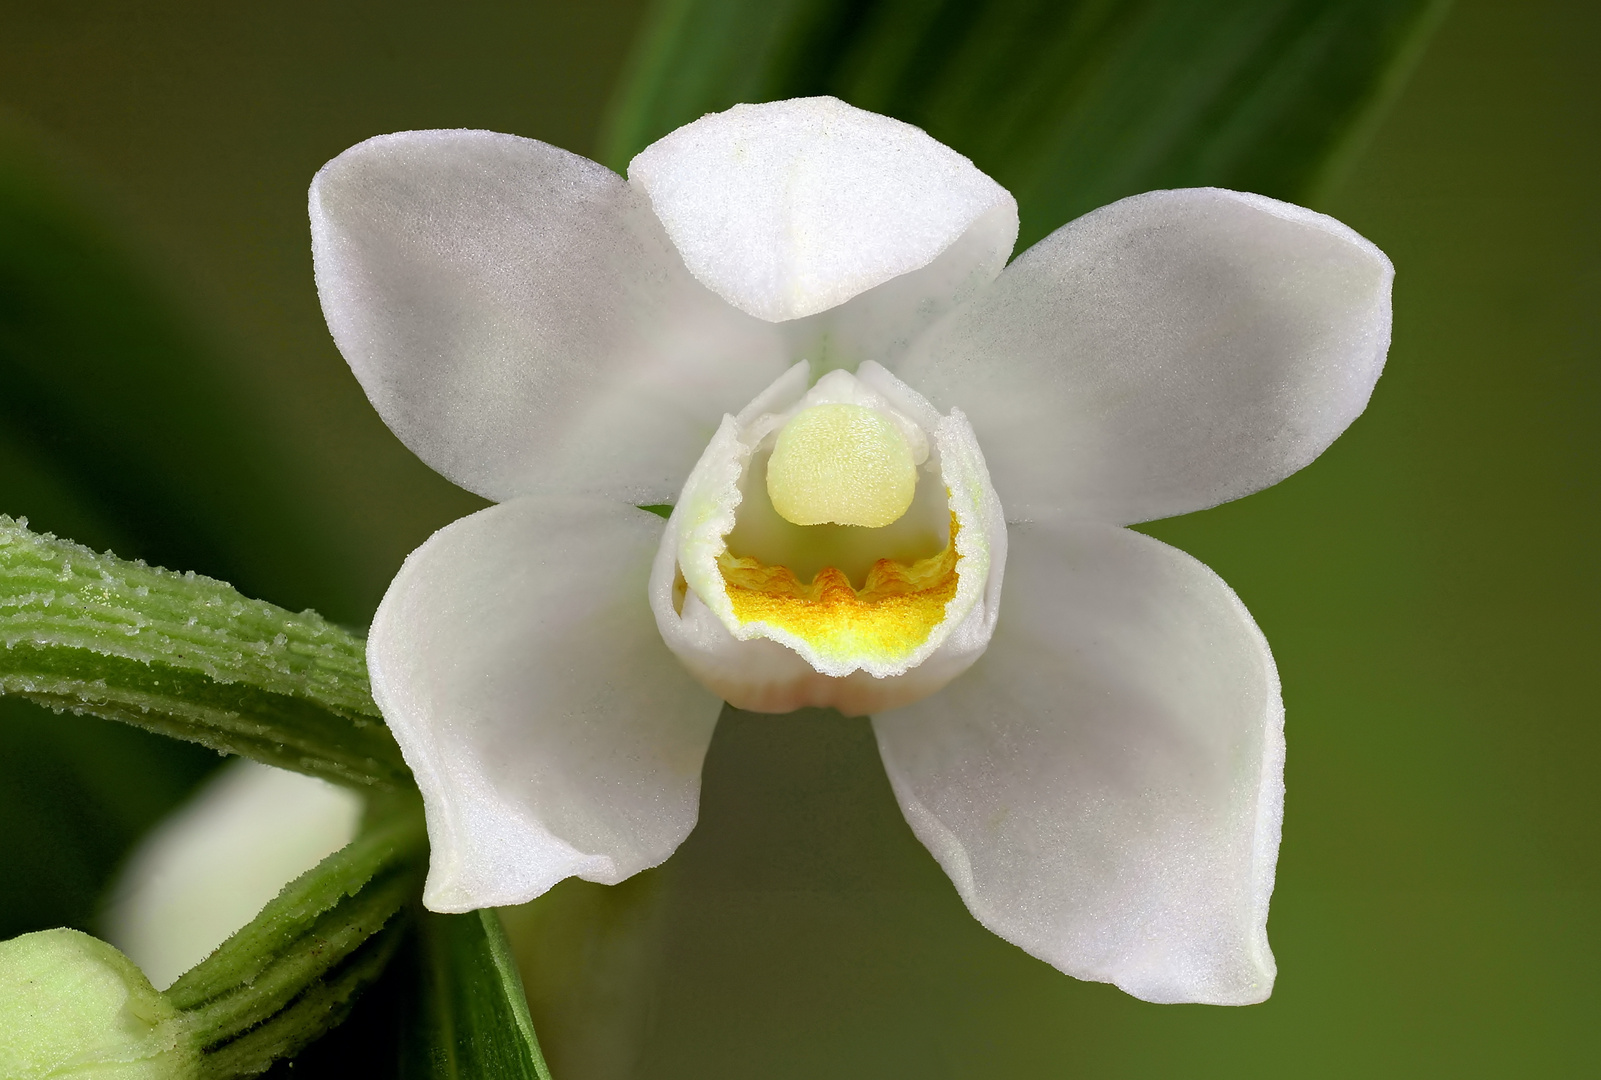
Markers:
(1105, 786)
(550, 730)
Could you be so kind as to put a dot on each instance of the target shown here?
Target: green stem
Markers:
(294, 972)
(189, 657)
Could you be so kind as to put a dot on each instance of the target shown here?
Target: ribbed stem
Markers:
(294, 972)
(187, 656)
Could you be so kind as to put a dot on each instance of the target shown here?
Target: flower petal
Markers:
(1163, 354)
(520, 320)
(550, 730)
(881, 323)
(208, 869)
(789, 208)
(1105, 786)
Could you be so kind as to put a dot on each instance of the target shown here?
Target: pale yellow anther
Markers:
(841, 464)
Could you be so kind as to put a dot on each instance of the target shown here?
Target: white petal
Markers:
(210, 867)
(1105, 786)
(519, 319)
(1165, 353)
(790, 208)
(550, 730)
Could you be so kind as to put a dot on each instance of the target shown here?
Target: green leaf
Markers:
(189, 657)
(1069, 105)
(472, 1016)
(294, 972)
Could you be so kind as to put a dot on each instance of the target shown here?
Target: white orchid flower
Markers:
(1094, 754)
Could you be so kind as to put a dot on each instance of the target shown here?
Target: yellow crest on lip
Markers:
(887, 619)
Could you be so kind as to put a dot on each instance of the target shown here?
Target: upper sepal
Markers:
(790, 208)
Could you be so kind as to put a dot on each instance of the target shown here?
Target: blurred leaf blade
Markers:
(472, 1013)
(1070, 105)
(190, 657)
(120, 420)
(75, 794)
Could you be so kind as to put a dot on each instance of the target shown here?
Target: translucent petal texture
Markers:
(1163, 354)
(210, 867)
(882, 323)
(789, 208)
(1105, 785)
(550, 730)
(520, 320)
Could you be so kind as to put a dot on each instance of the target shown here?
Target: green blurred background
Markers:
(1429, 586)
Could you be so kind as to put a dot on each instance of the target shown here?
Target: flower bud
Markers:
(72, 1006)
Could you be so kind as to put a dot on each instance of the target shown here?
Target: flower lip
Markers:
(929, 582)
